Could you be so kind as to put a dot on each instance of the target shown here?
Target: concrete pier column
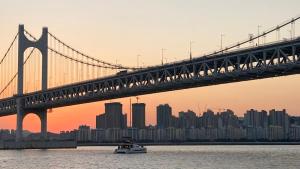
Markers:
(43, 118)
(20, 116)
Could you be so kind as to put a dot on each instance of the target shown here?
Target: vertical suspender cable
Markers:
(87, 67)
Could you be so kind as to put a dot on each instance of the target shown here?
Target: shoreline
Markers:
(193, 143)
(13, 145)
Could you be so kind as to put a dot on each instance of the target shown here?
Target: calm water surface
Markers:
(203, 157)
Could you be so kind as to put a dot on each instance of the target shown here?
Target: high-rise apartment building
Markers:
(254, 118)
(227, 119)
(164, 116)
(113, 117)
(279, 119)
(209, 120)
(187, 119)
(84, 133)
(138, 115)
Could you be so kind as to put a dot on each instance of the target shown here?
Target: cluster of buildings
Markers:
(111, 126)
(6, 134)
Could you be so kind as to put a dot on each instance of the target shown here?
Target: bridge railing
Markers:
(236, 46)
(227, 52)
(7, 105)
(262, 45)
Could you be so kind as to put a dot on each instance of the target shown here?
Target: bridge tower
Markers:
(42, 45)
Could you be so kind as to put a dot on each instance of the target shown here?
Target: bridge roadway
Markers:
(265, 61)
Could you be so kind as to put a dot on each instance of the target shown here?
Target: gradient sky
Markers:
(121, 29)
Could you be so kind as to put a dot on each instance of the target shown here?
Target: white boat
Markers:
(130, 148)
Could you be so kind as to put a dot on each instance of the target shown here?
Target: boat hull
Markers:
(128, 151)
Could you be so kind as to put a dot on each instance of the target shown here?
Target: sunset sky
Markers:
(122, 29)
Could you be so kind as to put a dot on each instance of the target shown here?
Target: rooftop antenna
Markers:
(199, 114)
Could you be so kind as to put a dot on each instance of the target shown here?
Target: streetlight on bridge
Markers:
(162, 56)
(191, 42)
(222, 35)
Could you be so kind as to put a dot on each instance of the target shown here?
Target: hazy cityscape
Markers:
(111, 126)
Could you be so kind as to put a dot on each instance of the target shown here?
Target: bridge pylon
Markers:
(42, 45)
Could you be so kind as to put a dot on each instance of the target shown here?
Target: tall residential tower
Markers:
(138, 115)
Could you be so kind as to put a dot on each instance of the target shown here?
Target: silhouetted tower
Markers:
(42, 45)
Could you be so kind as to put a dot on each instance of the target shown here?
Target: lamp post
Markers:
(222, 35)
(191, 42)
(259, 26)
(162, 56)
(137, 60)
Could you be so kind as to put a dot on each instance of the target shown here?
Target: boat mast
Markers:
(130, 115)
(131, 118)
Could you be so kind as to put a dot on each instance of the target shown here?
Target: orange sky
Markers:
(121, 30)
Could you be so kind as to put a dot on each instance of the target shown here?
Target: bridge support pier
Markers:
(43, 118)
(20, 116)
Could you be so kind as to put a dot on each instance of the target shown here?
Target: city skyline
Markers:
(210, 126)
(224, 125)
(175, 114)
(135, 41)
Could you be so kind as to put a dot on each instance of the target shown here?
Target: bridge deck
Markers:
(271, 60)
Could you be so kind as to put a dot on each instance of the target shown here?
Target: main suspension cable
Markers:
(14, 77)
(10, 46)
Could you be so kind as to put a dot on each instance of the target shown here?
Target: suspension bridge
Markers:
(45, 73)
